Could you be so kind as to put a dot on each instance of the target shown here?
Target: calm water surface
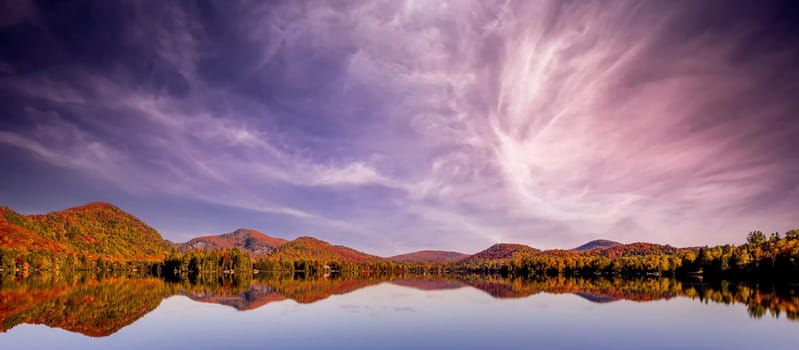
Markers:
(471, 312)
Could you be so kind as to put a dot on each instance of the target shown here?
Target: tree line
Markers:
(773, 257)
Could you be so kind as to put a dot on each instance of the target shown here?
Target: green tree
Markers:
(756, 238)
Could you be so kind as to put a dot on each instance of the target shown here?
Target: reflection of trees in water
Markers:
(101, 305)
(640, 289)
(244, 292)
(88, 305)
(760, 299)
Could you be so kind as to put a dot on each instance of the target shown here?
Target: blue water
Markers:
(389, 316)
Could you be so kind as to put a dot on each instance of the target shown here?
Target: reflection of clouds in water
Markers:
(539, 306)
(350, 308)
(405, 309)
(289, 308)
(555, 307)
(436, 296)
(378, 310)
(481, 301)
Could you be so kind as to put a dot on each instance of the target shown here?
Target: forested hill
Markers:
(251, 241)
(597, 243)
(428, 256)
(91, 231)
(503, 252)
(312, 249)
(93, 235)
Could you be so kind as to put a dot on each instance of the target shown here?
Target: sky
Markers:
(391, 126)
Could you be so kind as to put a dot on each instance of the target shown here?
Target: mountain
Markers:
(93, 229)
(251, 241)
(312, 249)
(503, 251)
(597, 243)
(428, 256)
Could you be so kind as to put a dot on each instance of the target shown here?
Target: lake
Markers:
(393, 312)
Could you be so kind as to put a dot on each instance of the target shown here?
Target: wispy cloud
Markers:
(403, 125)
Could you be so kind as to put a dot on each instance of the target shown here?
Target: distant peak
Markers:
(437, 251)
(428, 255)
(604, 241)
(252, 241)
(597, 243)
(508, 245)
(504, 251)
(246, 232)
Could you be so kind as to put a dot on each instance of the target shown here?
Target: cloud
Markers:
(411, 124)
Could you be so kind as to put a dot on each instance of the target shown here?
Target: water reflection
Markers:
(102, 305)
(83, 304)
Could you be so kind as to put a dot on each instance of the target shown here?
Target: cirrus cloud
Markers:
(392, 125)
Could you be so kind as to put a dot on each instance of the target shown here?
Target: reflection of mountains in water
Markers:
(102, 306)
(599, 299)
(262, 292)
(256, 296)
(429, 284)
(94, 308)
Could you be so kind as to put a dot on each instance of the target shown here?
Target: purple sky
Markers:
(392, 126)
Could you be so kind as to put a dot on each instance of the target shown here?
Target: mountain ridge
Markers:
(596, 244)
(100, 229)
(428, 256)
(254, 242)
(314, 249)
(503, 251)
